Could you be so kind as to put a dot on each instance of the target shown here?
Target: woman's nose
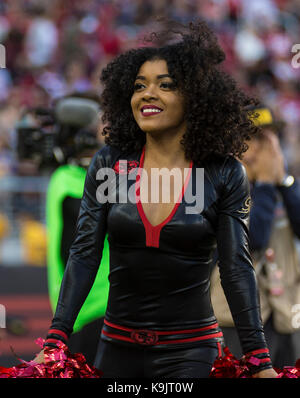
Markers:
(150, 93)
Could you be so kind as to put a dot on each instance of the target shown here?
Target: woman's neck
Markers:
(165, 151)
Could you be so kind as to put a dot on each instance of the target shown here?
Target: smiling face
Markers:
(156, 103)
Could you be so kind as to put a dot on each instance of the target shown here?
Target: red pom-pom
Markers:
(290, 371)
(230, 367)
(59, 363)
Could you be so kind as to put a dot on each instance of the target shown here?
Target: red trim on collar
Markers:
(153, 231)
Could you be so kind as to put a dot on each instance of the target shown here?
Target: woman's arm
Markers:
(236, 270)
(84, 258)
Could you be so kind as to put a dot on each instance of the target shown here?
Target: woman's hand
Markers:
(40, 358)
(267, 373)
(269, 164)
(264, 159)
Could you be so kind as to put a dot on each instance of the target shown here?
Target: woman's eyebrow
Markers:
(140, 77)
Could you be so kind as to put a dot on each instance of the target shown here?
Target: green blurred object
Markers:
(68, 180)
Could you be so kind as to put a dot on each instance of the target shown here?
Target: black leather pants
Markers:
(121, 361)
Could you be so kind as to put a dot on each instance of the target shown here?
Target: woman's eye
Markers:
(169, 85)
(164, 85)
(138, 86)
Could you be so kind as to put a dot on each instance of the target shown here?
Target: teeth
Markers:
(151, 110)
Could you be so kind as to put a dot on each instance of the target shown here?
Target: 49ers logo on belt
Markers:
(125, 166)
(144, 337)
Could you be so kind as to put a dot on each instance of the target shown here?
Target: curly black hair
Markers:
(216, 109)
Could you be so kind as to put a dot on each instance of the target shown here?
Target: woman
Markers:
(166, 106)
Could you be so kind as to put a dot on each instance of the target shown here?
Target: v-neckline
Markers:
(153, 231)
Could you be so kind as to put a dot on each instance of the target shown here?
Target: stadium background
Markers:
(53, 48)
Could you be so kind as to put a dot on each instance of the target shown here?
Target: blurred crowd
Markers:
(56, 47)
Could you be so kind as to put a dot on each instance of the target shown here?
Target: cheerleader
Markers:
(169, 106)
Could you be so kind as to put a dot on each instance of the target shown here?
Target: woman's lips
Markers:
(150, 110)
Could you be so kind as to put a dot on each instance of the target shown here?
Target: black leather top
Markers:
(165, 284)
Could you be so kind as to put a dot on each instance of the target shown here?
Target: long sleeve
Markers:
(85, 255)
(236, 269)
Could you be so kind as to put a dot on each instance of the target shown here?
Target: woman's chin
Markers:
(151, 129)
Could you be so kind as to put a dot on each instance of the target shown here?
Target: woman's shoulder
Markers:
(233, 165)
(110, 153)
(225, 164)
(226, 171)
(107, 151)
(107, 155)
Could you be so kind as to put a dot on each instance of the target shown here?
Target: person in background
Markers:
(274, 224)
(64, 195)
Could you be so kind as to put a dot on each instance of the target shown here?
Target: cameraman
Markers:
(77, 118)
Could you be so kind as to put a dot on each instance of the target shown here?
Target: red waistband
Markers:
(156, 337)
